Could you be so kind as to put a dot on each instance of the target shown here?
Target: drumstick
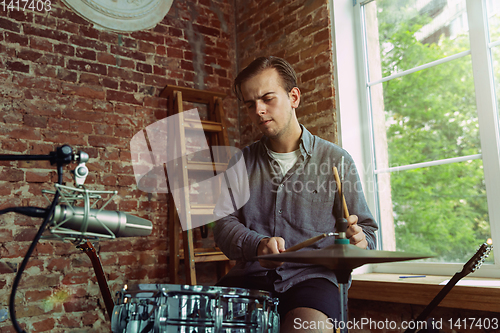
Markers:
(308, 242)
(339, 187)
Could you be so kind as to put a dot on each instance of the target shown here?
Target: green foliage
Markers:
(431, 115)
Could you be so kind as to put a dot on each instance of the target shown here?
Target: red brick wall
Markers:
(64, 82)
(298, 31)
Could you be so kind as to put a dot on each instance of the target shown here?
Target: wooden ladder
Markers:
(215, 130)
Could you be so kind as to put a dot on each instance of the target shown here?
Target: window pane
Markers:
(429, 115)
(397, 25)
(441, 211)
(493, 10)
(421, 117)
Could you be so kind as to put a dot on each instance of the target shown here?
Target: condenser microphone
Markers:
(100, 221)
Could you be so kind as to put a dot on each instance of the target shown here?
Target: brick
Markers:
(39, 281)
(89, 31)
(207, 30)
(40, 44)
(216, 52)
(13, 146)
(61, 36)
(119, 96)
(124, 52)
(35, 121)
(5, 236)
(161, 50)
(27, 134)
(175, 53)
(10, 25)
(127, 42)
(124, 132)
(175, 32)
(64, 138)
(44, 325)
(59, 264)
(37, 83)
(22, 16)
(155, 102)
(158, 81)
(147, 36)
(147, 47)
(126, 63)
(11, 37)
(38, 176)
(109, 83)
(124, 109)
(88, 43)
(88, 78)
(159, 70)
(68, 15)
(86, 54)
(64, 49)
(77, 278)
(25, 235)
(127, 260)
(305, 110)
(144, 68)
(87, 67)
(102, 129)
(314, 50)
(81, 127)
(67, 26)
(326, 105)
(106, 58)
(51, 59)
(119, 168)
(177, 43)
(46, 20)
(129, 87)
(109, 180)
(315, 73)
(125, 74)
(187, 65)
(322, 36)
(80, 305)
(37, 295)
(108, 37)
(66, 75)
(83, 91)
(106, 141)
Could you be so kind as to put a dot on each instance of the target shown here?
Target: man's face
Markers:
(268, 104)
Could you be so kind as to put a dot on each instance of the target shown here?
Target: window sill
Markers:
(392, 288)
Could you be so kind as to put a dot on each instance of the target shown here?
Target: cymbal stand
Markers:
(343, 283)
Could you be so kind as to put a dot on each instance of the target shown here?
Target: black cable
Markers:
(46, 221)
(28, 211)
(4, 157)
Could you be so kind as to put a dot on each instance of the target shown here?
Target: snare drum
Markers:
(168, 308)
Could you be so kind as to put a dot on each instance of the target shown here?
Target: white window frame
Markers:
(355, 129)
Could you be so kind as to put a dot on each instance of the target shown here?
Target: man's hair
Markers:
(284, 69)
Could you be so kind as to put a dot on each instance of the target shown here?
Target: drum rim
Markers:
(193, 289)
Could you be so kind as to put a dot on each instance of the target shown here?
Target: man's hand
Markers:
(273, 245)
(354, 233)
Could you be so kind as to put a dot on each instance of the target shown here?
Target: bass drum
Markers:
(168, 308)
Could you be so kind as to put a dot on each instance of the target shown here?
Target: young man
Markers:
(292, 191)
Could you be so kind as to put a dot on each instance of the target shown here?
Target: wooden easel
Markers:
(215, 131)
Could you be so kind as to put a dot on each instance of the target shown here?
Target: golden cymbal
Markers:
(342, 256)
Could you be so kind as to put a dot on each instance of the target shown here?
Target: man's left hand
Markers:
(355, 233)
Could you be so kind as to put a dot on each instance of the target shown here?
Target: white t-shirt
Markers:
(285, 160)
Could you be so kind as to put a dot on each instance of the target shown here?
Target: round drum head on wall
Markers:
(121, 15)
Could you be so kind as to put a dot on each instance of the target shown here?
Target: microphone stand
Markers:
(63, 155)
